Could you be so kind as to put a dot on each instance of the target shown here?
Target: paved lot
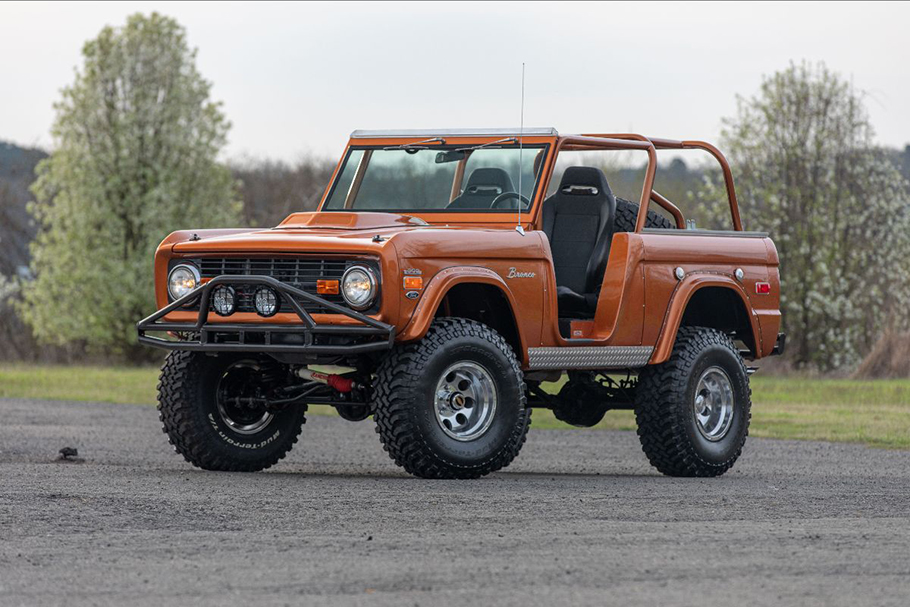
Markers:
(580, 518)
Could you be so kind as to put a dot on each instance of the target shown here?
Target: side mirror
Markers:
(450, 156)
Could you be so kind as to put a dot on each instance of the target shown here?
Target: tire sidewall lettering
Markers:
(267, 438)
(222, 434)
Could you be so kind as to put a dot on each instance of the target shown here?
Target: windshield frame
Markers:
(530, 144)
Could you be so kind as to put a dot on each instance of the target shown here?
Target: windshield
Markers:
(437, 178)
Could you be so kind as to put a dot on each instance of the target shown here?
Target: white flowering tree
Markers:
(136, 145)
(7, 288)
(807, 170)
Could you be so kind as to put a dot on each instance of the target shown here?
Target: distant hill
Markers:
(17, 171)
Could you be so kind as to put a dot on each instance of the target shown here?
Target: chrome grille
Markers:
(299, 272)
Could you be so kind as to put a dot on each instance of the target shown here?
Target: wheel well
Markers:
(720, 308)
(483, 303)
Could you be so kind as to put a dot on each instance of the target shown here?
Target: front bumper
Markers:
(307, 337)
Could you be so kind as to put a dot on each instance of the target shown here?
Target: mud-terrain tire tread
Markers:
(397, 376)
(176, 410)
(661, 424)
(627, 212)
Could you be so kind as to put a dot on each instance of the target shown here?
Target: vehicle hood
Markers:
(300, 232)
(362, 233)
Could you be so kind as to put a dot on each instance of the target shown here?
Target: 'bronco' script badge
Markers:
(513, 273)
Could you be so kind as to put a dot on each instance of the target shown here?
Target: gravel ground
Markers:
(579, 518)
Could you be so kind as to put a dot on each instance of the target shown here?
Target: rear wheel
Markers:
(693, 411)
(452, 405)
(214, 412)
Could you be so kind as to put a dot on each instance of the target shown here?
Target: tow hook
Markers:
(336, 382)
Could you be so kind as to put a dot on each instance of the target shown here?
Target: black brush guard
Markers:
(379, 335)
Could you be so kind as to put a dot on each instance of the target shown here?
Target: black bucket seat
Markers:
(578, 220)
(484, 185)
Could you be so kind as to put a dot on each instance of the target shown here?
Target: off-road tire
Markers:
(187, 409)
(664, 406)
(404, 402)
(627, 212)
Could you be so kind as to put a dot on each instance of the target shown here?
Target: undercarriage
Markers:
(586, 396)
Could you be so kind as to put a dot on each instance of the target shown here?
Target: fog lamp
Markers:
(224, 300)
(266, 301)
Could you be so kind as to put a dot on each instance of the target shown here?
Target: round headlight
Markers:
(266, 301)
(223, 300)
(182, 279)
(358, 286)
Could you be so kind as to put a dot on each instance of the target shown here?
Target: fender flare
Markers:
(679, 301)
(440, 285)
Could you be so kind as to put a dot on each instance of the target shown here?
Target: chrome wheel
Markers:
(239, 407)
(713, 405)
(465, 401)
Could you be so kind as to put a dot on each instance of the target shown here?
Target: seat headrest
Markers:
(489, 181)
(584, 181)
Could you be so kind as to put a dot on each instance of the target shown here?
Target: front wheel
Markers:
(452, 405)
(214, 411)
(693, 411)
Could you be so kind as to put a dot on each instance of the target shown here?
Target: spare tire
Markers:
(627, 212)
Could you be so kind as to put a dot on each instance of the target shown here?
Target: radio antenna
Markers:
(521, 128)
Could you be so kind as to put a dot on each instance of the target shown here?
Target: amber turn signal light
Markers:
(327, 287)
(413, 282)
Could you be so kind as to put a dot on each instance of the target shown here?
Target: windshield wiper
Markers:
(417, 145)
(483, 145)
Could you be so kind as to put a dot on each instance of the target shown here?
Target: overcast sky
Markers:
(297, 79)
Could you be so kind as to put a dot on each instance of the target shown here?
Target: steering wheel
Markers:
(498, 202)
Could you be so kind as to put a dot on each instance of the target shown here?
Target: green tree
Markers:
(808, 171)
(136, 144)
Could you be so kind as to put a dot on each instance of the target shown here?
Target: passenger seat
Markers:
(484, 185)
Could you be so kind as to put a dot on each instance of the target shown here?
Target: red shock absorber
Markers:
(336, 382)
(342, 384)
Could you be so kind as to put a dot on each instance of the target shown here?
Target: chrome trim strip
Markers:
(589, 357)
(384, 134)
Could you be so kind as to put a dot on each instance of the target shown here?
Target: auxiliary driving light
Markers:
(266, 301)
(358, 287)
(182, 279)
(224, 300)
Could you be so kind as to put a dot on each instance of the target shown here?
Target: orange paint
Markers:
(642, 301)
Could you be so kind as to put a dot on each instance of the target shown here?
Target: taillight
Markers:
(763, 288)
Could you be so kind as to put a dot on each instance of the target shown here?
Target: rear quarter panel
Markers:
(707, 259)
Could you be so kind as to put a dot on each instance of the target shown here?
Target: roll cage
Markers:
(555, 144)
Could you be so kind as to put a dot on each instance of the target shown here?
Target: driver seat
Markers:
(578, 221)
(484, 185)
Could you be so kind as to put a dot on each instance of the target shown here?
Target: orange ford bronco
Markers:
(445, 279)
